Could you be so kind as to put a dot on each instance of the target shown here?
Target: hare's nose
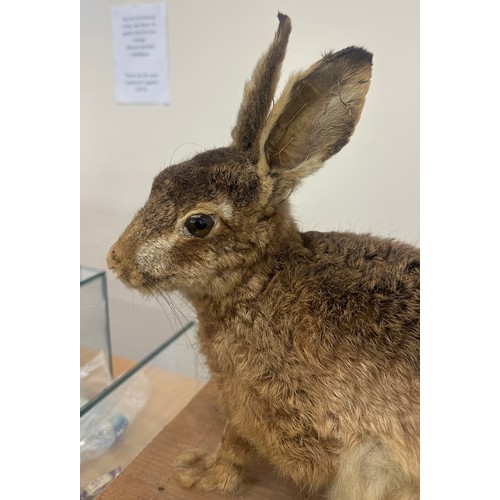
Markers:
(113, 260)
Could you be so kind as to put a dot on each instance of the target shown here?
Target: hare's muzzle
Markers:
(122, 261)
(122, 267)
(112, 260)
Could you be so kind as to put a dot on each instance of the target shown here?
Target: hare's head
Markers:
(209, 219)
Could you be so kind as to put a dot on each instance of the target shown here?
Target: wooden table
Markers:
(150, 476)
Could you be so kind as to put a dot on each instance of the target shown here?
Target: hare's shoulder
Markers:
(362, 272)
(355, 250)
(357, 287)
(361, 259)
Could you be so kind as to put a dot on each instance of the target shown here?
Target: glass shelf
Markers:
(119, 421)
(94, 317)
(122, 379)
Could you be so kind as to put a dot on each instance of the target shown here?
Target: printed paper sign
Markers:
(140, 53)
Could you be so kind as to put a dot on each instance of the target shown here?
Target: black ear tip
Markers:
(357, 55)
(283, 17)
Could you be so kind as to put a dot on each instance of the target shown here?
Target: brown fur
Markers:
(312, 338)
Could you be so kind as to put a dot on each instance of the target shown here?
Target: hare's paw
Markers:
(207, 472)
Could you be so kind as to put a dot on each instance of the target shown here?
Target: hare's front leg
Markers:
(222, 469)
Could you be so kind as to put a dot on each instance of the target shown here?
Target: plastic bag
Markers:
(94, 377)
(101, 426)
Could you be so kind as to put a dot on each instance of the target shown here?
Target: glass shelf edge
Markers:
(129, 373)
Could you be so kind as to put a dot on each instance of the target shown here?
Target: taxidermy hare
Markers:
(312, 338)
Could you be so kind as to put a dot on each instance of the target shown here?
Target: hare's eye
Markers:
(199, 225)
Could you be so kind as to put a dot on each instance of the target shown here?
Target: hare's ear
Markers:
(259, 92)
(314, 117)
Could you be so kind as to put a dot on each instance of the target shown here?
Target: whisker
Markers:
(106, 242)
(181, 298)
(185, 144)
(152, 291)
(165, 299)
(175, 309)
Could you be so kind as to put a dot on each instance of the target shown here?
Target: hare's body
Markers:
(312, 338)
(303, 391)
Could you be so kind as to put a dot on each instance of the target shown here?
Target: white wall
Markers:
(372, 185)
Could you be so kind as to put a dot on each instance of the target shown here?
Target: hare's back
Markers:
(360, 291)
(361, 263)
(364, 252)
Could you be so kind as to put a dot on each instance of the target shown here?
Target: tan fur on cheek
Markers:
(153, 256)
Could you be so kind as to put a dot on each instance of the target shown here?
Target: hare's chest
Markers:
(264, 387)
(242, 355)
